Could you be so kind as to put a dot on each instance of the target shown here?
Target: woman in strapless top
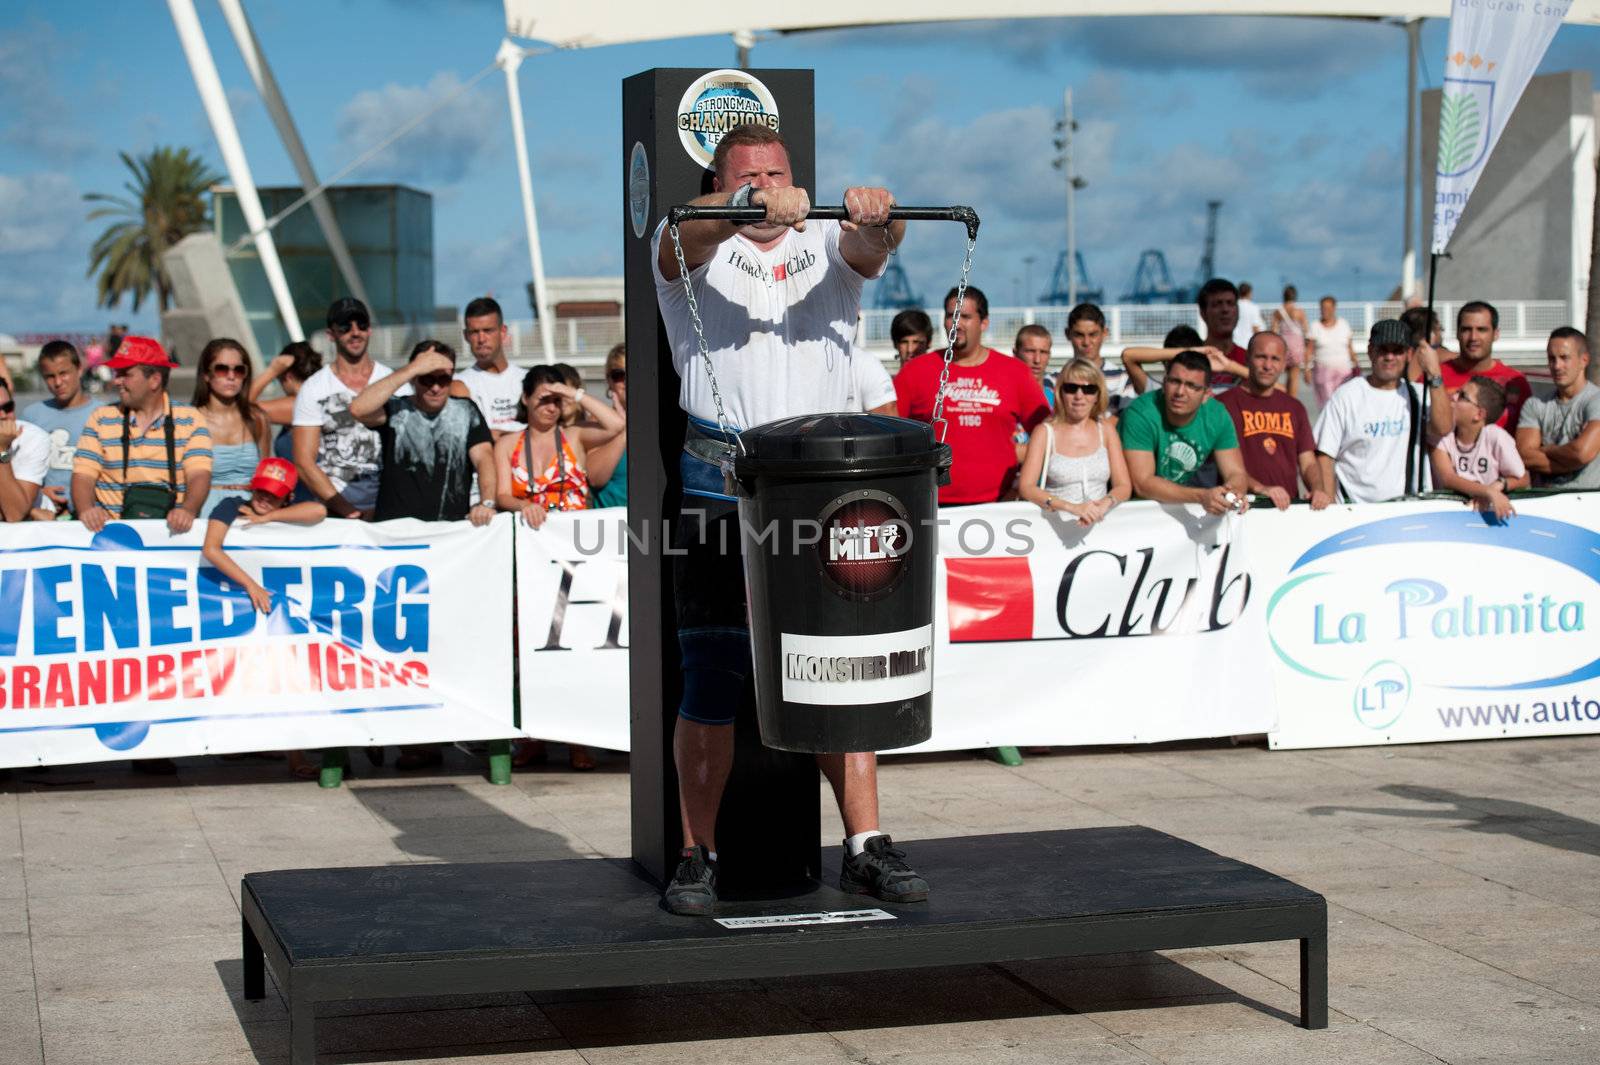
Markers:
(239, 431)
(1074, 463)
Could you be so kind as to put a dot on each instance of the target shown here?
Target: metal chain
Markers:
(700, 338)
(950, 340)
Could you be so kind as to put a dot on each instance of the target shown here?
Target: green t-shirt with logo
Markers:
(1179, 450)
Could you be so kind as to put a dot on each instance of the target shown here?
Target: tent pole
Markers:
(209, 84)
(1408, 264)
(510, 60)
(255, 60)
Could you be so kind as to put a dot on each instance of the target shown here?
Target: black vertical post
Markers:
(1427, 393)
(767, 834)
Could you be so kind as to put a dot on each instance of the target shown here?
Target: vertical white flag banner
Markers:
(1495, 46)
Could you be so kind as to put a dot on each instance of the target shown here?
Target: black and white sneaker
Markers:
(881, 870)
(693, 890)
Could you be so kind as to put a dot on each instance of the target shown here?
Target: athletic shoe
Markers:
(881, 870)
(693, 891)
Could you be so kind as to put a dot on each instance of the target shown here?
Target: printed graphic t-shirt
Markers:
(1367, 431)
(983, 408)
(427, 472)
(63, 426)
(1492, 456)
(349, 450)
(1273, 433)
(498, 396)
(1179, 450)
(779, 326)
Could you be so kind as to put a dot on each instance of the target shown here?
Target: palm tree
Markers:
(164, 204)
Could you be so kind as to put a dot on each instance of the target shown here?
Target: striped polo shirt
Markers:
(99, 452)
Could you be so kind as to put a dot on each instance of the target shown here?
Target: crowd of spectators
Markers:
(356, 440)
(351, 439)
(1225, 422)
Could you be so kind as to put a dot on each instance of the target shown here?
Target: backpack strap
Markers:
(172, 450)
(1413, 432)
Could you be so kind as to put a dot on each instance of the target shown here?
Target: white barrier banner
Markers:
(128, 644)
(1141, 629)
(1413, 622)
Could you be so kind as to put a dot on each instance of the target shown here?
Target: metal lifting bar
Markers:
(693, 213)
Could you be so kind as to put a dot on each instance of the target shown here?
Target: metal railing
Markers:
(1524, 327)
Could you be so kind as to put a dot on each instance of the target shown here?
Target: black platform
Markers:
(394, 931)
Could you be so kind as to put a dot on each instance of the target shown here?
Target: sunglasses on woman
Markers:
(1073, 388)
(616, 376)
(228, 369)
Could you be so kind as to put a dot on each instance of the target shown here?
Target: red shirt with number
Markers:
(1456, 373)
(983, 408)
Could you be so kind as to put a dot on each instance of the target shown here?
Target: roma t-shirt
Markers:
(1179, 450)
(1273, 433)
(983, 408)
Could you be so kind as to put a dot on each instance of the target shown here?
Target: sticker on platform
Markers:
(718, 102)
(789, 920)
(639, 188)
(880, 667)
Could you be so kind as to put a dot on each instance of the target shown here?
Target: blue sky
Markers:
(1295, 123)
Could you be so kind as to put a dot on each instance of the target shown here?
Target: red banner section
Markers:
(990, 599)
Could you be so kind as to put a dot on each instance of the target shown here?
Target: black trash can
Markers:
(837, 517)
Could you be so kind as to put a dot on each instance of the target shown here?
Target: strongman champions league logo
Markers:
(717, 102)
(866, 538)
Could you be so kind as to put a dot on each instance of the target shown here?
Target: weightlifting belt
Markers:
(700, 465)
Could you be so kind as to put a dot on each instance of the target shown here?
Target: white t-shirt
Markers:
(498, 396)
(1366, 430)
(1250, 322)
(780, 325)
(1119, 386)
(349, 451)
(1330, 344)
(871, 386)
(30, 452)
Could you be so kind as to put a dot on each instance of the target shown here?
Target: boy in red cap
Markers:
(271, 488)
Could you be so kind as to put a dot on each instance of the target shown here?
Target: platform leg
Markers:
(1006, 755)
(499, 761)
(302, 1032)
(1314, 981)
(334, 759)
(255, 966)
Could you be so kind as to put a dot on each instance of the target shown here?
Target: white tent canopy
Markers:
(600, 22)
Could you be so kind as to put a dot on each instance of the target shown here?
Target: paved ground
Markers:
(1462, 882)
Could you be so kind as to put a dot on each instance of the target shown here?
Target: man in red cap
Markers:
(145, 457)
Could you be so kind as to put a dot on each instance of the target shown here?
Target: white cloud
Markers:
(466, 132)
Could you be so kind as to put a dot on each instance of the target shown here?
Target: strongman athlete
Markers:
(779, 302)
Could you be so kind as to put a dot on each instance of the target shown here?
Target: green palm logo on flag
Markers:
(1458, 131)
(1464, 110)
